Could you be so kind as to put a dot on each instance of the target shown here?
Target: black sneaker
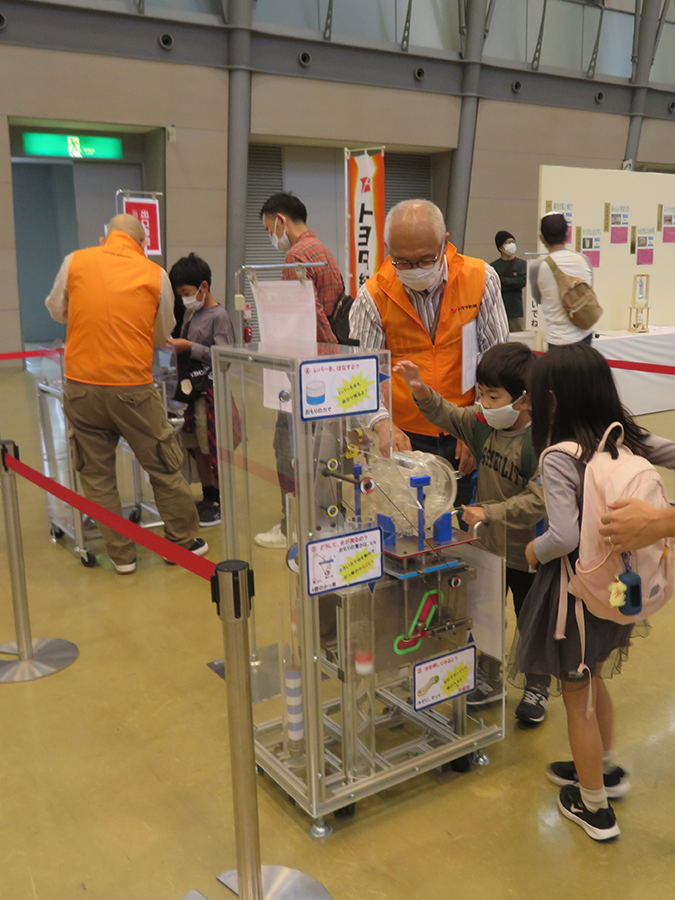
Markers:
(485, 692)
(209, 513)
(616, 781)
(199, 547)
(600, 825)
(532, 708)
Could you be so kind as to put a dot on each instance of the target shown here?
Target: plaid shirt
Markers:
(327, 280)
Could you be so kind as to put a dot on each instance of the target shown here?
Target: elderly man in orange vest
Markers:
(118, 306)
(442, 310)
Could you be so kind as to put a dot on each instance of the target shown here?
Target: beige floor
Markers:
(114, 774)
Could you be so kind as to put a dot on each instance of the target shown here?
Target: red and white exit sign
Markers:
(146, 210)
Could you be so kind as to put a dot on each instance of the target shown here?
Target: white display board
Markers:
(344, 561)
(625, 223)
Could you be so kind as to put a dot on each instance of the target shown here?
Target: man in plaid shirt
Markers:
(285, 218)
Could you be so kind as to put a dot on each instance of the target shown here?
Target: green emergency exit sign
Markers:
(38, 144)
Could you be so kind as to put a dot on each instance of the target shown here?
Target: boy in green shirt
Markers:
(509, 496)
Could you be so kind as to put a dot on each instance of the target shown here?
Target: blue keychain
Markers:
(626, 590)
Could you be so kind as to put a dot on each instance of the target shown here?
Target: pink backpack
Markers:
(596, 578)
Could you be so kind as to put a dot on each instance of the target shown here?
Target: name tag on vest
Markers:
(469, 355)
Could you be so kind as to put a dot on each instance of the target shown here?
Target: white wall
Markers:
(590, 190)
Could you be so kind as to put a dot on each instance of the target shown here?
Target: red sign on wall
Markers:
(146, 210)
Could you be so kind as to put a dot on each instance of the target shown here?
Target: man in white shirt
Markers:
(559, 330)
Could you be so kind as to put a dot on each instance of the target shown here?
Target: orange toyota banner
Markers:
(364, 213)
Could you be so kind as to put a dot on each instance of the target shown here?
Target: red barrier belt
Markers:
(29, 354)
(631, 366)
(641, 367)
(173, 552)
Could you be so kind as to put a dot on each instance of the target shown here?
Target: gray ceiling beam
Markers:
(77, 30)
(131, 36)
(462, 163)
(648, 31)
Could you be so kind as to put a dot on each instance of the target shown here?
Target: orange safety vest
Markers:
(439, 361)
(113, 297)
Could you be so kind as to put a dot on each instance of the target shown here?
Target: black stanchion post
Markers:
(35, 657)
(232, 591)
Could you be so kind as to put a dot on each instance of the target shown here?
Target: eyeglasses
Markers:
(404, 265)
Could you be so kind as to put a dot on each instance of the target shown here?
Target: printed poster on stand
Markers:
(567, 210)
(667, 223)
(617, 216)
(588, 243)
(344, 561)
(364, 214)
(644, 246)
(444, 677)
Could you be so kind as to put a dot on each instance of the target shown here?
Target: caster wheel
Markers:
(135, 516)
(56, 532)
(347, 812)
(260, 771)
(461, 764)
(89, 561)
(291, 800)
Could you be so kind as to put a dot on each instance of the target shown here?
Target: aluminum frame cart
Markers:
(376, 627)
(57, 462)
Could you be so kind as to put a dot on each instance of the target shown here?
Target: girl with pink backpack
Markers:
(587, 601)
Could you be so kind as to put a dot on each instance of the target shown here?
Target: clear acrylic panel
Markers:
(362, 578)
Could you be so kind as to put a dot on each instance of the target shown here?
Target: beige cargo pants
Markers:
(98, 416)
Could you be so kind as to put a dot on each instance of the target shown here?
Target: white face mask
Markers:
(280, 243)
(422, 279)
(502, 417)
(192, 304)
(510, 248)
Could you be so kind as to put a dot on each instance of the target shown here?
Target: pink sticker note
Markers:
(669, 235)
(645, 257)
(593, 257)
(619, 234)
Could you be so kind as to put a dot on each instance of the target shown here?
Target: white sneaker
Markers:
(124, 569)
(272, 538)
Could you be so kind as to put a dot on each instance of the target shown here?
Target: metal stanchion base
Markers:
(281, 883)
(265, 679)
(49, 655)
(194, 895)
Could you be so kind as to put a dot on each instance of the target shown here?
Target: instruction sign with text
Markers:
(344, 560)
(339, 387)
(444, 677)
(146, 210)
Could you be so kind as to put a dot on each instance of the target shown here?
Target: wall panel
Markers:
(512, 141)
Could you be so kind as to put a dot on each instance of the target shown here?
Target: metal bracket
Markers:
(636, 32)
(594, 55)
(488, 17)
(328, 25)
(461, 13)
(140, 6)
(8, 447)
(405, 40)
(536, 59)
(662, 22)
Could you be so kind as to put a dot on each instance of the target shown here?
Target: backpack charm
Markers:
(625, 592)
(617, 593)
